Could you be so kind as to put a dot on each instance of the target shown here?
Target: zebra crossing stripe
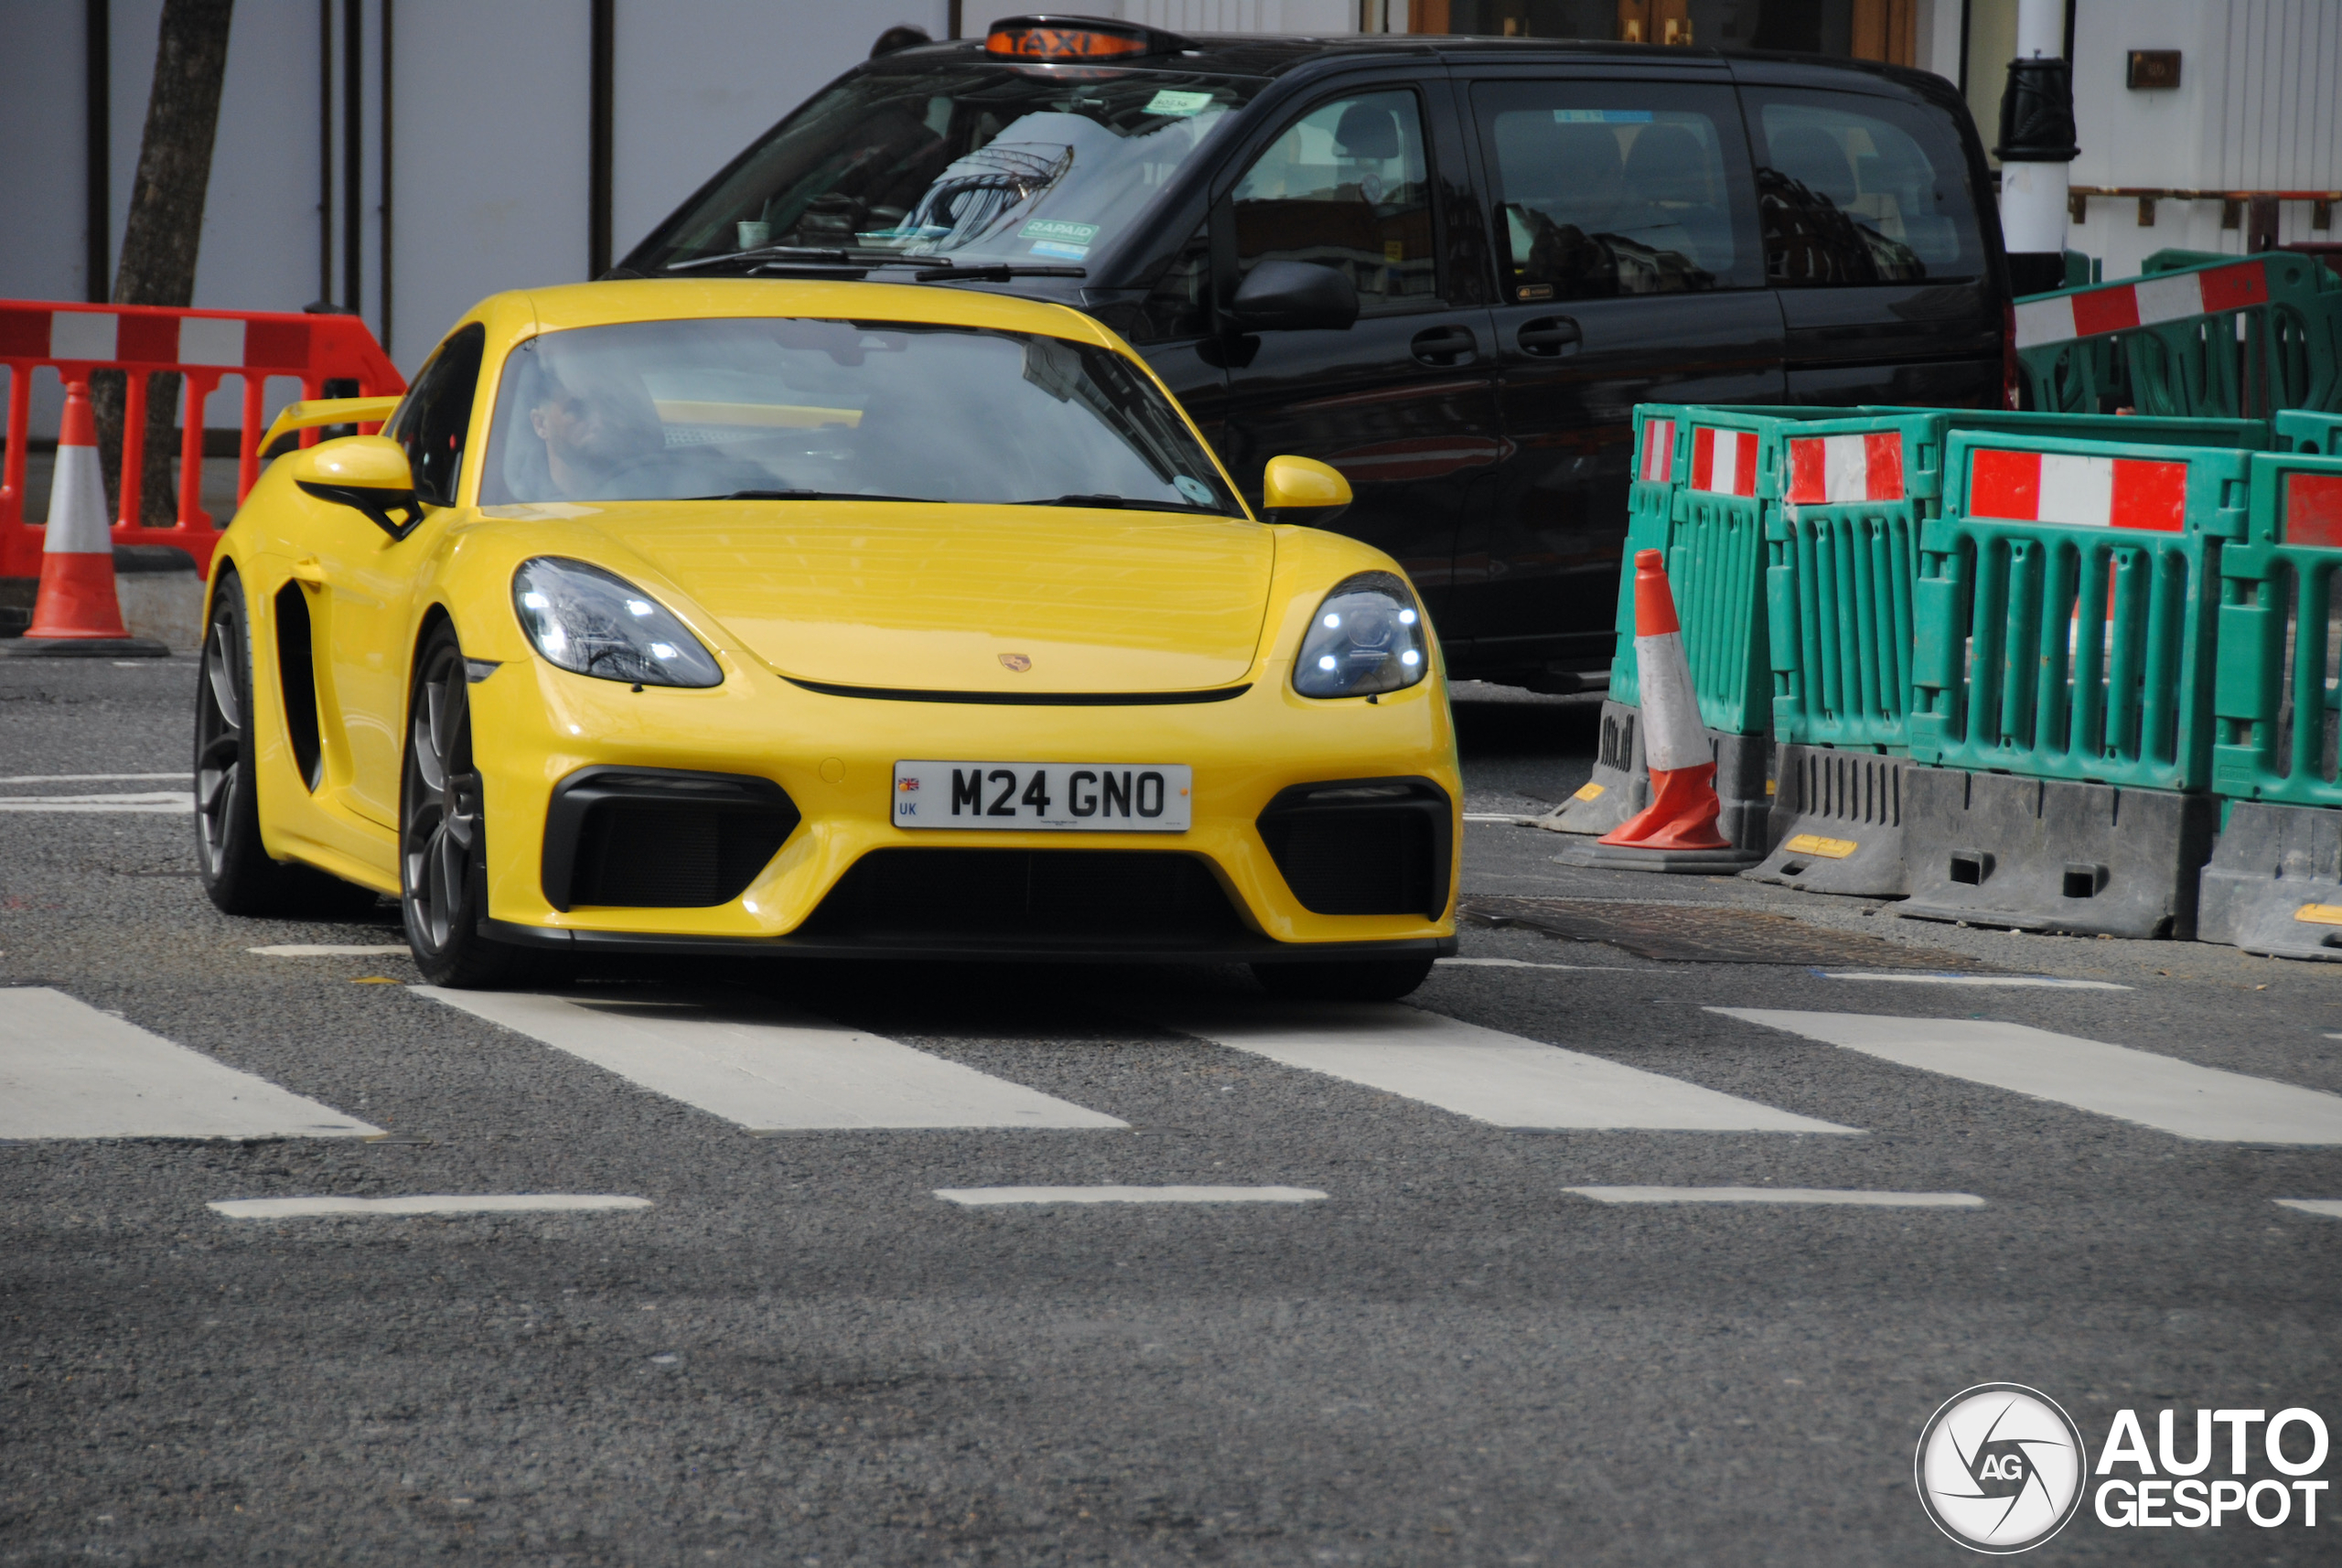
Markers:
(2158, 1091)
(765, 1066)
(68, 1070)
(1488, 1076)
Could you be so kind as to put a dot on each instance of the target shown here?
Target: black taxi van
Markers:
(1448, 266)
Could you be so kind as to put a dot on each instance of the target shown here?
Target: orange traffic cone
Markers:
(1677, 832)
(76, 613)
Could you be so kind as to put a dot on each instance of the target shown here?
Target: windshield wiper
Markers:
(807, 496)
(990, 272)
(1082, 501)
(812, 256)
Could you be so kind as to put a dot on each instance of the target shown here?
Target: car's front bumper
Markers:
(534, 727)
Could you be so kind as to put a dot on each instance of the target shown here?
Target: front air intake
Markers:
(1363, 846)
(661, 838)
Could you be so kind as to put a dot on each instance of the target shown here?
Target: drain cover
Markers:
(1708, 933)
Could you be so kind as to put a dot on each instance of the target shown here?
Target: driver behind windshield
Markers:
(598, 435)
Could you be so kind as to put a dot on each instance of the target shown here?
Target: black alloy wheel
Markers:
(443, 831)
(1351, 980)
(238, 874)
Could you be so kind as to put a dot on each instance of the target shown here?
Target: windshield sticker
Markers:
(1064, 253)
(1178, 104)
(1195, 489)
(1060, 230)
(1602, 117)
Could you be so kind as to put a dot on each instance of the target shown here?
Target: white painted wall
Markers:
(2256, 108)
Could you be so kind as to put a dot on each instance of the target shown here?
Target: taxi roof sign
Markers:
(1077, 38)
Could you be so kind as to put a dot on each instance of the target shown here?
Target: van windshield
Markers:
(978, 162)
(803, 408)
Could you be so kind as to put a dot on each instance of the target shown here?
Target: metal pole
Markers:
(598, 154)
(353, 155)
(325, 151)
(2037, 144)
(97, 107)
(384, 268)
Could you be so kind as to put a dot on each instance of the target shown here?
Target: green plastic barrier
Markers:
(2063, 608)
(2276, 700)
(1841, 565)
(2235, 337)
(1715, 549)
(2306, 430)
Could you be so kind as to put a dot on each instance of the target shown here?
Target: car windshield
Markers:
(978, 162)
(794, 407)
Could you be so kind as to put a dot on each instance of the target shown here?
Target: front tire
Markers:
(238, 876)
(1351, 979)
(443, 831)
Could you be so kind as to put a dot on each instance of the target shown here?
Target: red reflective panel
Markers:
(2150, 495)
(2233, 288)
(2105, 310)
(2004, 485)
(2313, 510)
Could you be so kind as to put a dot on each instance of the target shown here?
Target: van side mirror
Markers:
(1304, 490)
(1293, 296)
(368, 473)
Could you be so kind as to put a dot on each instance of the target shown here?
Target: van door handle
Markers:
(1549, 336)
(1445, 346)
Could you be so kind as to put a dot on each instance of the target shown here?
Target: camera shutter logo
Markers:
(2001, 1468)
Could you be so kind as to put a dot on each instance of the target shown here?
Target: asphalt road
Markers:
(798, 1353)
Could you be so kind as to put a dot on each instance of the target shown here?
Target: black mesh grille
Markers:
(681, 856)
(1093, 897)
(1375, 847)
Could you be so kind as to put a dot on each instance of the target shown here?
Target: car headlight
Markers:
(1366, 637)
(595, 623)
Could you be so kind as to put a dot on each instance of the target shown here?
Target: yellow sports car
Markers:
(818, 618)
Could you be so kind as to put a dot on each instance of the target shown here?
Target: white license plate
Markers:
(1094, 797)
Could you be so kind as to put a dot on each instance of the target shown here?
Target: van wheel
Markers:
(1357, 979)
(442, 834)
(238, 874)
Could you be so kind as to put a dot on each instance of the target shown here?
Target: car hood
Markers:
(968, 598)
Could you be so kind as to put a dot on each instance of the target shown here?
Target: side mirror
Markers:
(1293, 296)
(1304, 490)
(368, 473)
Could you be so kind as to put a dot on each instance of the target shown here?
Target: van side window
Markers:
(1608, 189)
(1860, 190)
(436, 412)
(1347, 186)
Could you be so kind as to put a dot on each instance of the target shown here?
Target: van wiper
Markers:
(992, 272)
(812, 256)
(807, 496)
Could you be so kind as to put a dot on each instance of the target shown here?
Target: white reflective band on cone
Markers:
(1673, 736)
(77, 506)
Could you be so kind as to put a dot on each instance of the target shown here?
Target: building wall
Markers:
(2255, 109)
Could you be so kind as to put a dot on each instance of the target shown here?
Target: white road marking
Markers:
(2158, 1091)
(762, 1066)
(89, 778)
(1524, 963)
(1908, 977)
(2331, 1208)
(979, 1197)
(1513, 817)
(68, 1070)
(1778, 1195)
(162, 801)
(521, 1203)
(329, 949)
(1490, 1077)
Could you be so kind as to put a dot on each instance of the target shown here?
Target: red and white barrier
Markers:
(202, 346)
(1828, 469)
(2076, 491)
(2086, 313)
(1657, 464)
(1683, 805)
(1723, 462)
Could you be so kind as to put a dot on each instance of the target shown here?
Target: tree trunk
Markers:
(159, 242)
